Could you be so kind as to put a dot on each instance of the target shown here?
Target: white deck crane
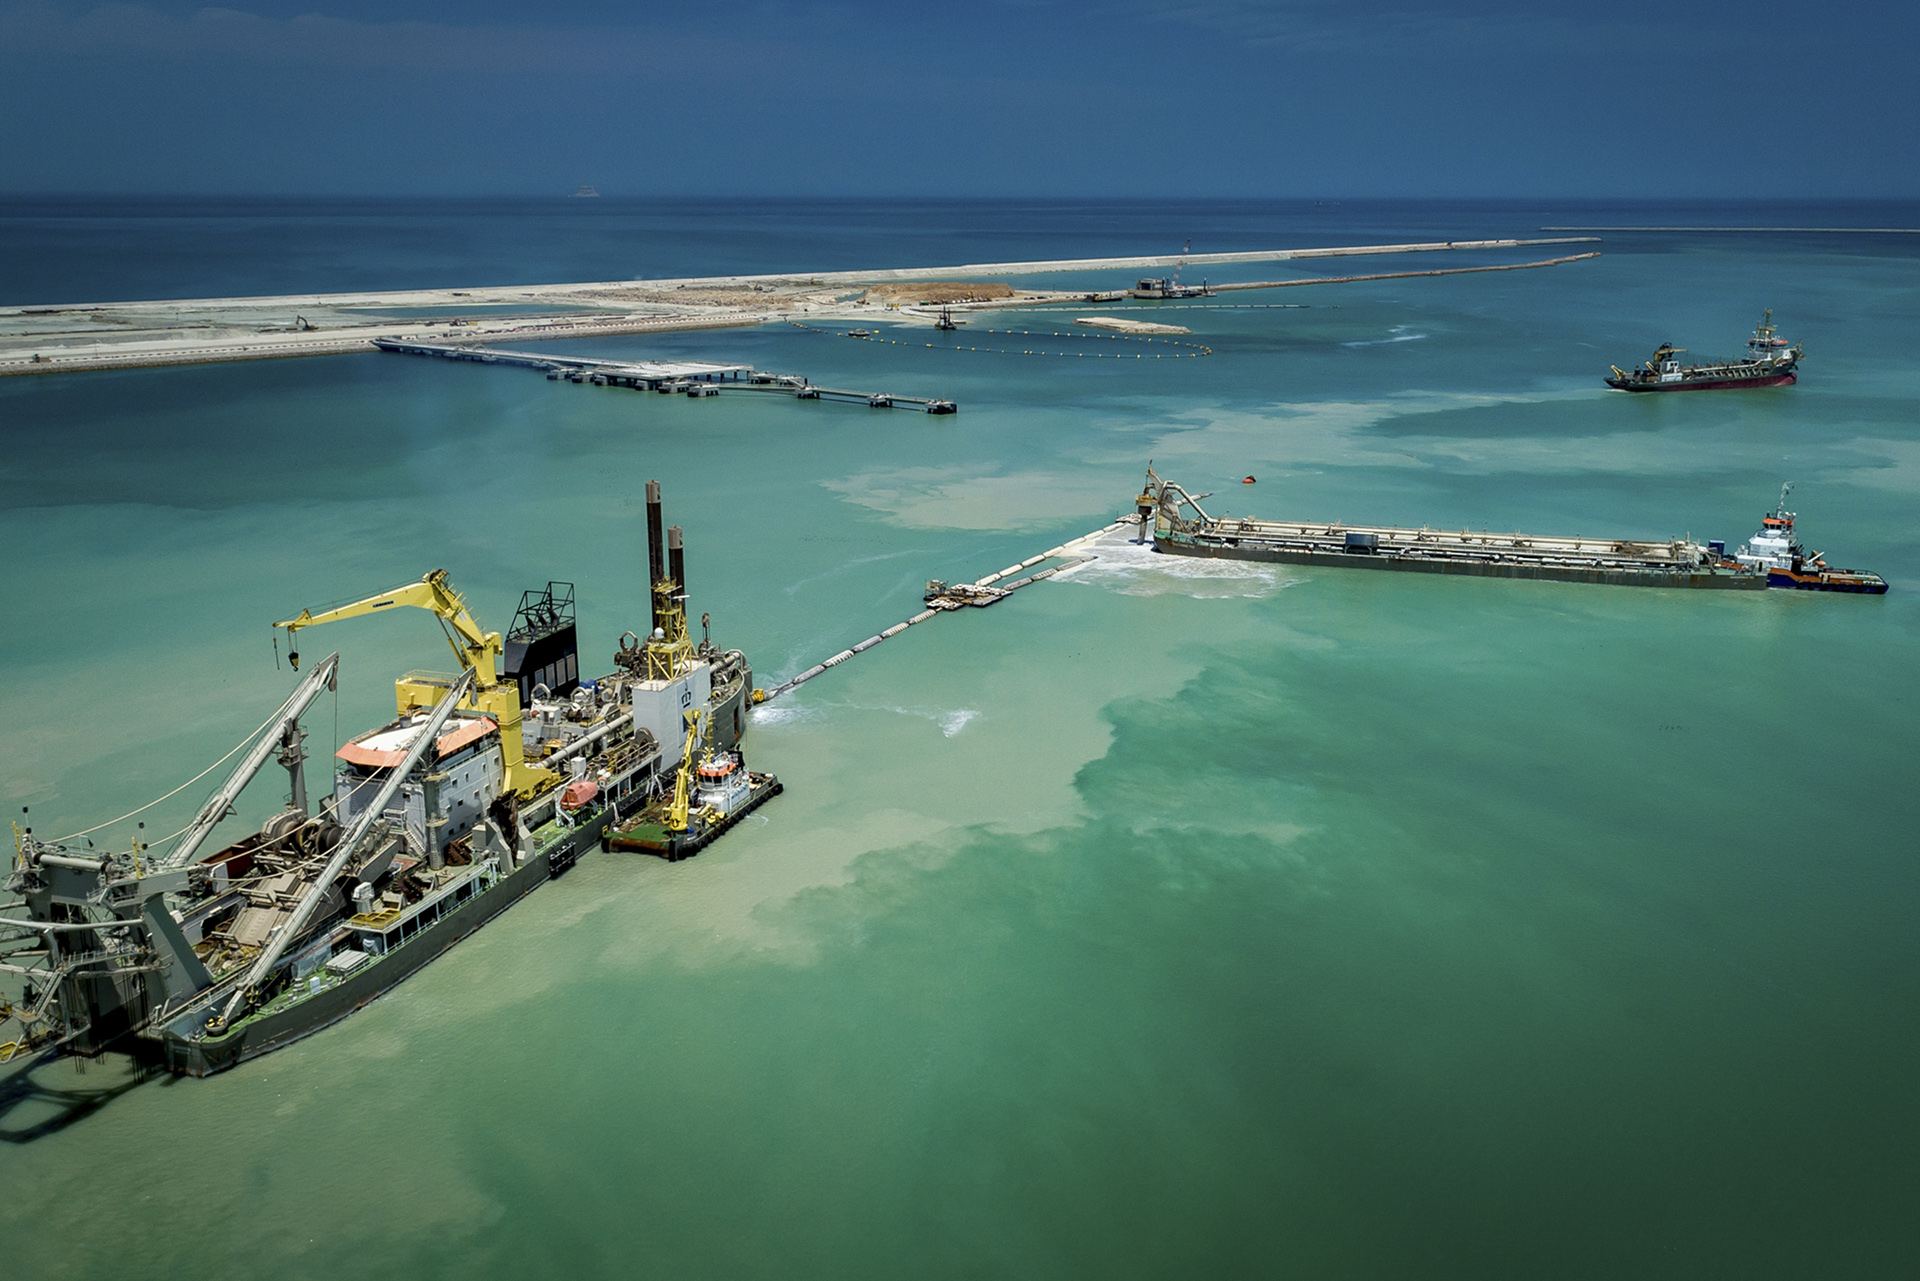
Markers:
(282, 734)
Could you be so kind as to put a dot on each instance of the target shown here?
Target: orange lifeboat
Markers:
(578, 793)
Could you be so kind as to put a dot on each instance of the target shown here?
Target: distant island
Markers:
(585, 192)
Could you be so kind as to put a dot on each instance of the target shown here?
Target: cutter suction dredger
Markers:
(489, 782)
(1181, 526)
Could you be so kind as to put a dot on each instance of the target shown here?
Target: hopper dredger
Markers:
(1769, 361)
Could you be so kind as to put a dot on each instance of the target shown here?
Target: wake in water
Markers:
(784, 714)
(951, 720)
(1399, 333)
(1135, 569)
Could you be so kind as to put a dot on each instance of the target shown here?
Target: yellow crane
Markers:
(477, 649)
(678, 810)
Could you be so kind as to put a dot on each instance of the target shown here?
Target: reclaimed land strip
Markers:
(1171, 260)
(269, 346)
(55, 338)
(1403, 275)
(1823, 231)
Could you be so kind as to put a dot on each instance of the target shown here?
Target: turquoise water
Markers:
(1167, 919)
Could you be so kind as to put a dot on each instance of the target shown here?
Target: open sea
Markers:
(1171, 919)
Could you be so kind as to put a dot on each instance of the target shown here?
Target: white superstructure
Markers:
(1773, 547)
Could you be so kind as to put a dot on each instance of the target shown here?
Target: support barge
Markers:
(1181, 527)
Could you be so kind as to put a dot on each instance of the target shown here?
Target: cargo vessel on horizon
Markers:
(1770, 361)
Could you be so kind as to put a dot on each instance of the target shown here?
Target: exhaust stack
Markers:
(656, 558)
(677, 563)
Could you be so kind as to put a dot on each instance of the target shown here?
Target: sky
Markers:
(990, 98)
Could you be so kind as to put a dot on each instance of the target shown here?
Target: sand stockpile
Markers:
(939, 291)
(1120, 326)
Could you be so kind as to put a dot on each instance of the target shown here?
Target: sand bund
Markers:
(1121, 325)
(940, 293)
(63, 337)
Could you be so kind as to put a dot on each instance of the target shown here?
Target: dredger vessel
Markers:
(1770, 361)
(488, 783)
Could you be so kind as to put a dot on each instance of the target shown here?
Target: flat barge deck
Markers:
(1182, 527)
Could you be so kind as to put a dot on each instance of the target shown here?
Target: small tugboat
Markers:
(704, 803)
(1770, 361)
(1787, 564)
(859, 333)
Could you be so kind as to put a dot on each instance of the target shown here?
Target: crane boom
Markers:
(355, 837)
(220, 804)
(677, 812)
(477, 649)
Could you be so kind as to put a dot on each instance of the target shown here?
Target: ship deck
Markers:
(1581, 558)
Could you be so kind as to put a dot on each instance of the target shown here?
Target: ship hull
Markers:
(260, 1035)
(1469, 568)
(1705, 384)
(1854, 584)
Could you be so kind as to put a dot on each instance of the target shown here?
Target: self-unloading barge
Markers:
(1181, 527)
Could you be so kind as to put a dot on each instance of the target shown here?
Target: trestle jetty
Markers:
(695, 378)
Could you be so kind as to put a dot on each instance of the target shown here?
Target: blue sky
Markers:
(979, 97)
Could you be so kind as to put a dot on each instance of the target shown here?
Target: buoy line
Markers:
(1190, 350)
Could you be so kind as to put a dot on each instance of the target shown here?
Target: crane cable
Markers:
(175, 792)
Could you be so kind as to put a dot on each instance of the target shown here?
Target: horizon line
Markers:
(1048, 197)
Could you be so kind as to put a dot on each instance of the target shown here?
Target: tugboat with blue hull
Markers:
(1775, 551)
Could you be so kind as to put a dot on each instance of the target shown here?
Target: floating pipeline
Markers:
(1191, 350)
(982, 591)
